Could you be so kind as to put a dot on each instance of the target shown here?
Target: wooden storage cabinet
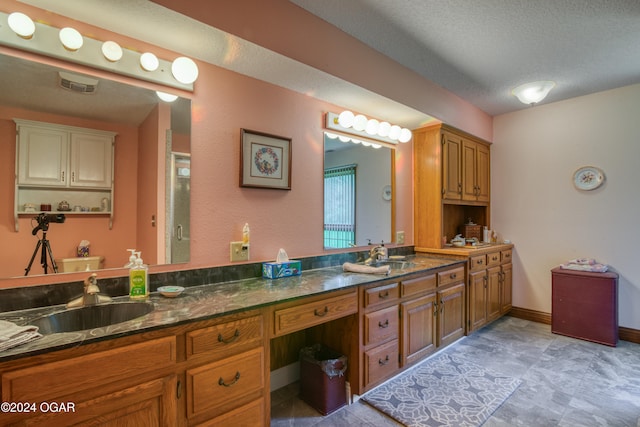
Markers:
(490, 287)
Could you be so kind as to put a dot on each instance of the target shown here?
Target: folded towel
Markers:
(594, 268)
(583, 261)
(359, 268)
(12, 335)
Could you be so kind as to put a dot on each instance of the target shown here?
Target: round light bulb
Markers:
(21, 24)
(166, 97)
(345, 119)
(112, 51)
(343, 138)
(359, 122)
(71, 39)
(149, 62)
(394, 132)
(383, 129)
(405, 135)
(184, 70)
(372, 127)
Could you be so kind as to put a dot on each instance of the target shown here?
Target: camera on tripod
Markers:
(44, 220)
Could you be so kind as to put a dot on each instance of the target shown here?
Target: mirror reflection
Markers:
(357, 194)
(151, 172)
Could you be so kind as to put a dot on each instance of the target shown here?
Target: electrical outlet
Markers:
(238, 252)
(400, 237)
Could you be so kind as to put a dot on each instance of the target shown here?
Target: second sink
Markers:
(91, 317)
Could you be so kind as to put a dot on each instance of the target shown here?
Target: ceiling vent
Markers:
(77, 83)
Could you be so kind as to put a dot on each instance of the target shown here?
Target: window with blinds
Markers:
(340, 207)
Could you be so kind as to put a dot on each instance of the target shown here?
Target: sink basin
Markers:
(90, 317)
(394, 264)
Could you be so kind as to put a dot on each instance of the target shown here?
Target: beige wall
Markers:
(535, 204)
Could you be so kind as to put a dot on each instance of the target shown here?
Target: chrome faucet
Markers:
(378, 253)
(91, 295)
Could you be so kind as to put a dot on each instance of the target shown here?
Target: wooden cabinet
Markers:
(122, 386)
(56, 163)
(490, 287)
(450, 299)
(451, 181)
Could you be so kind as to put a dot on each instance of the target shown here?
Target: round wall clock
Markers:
(588, 178)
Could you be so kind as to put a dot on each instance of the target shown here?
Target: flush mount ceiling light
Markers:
(71, 39)
(184, 70)
(149, 62)
(534, 92)
(21, 24)
(112, 51)
(360, 126)
(166, 97)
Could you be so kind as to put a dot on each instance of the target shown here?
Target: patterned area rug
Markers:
(443, 391)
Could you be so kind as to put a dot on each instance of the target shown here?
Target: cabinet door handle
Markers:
(321, 313)
(62, 176)
(230, 340)
(179, 390)
(441, 306)
(383, 295)
(435, 308)
(460, 188)
(73, 177)
(235, 380)
(384, 325)
(382, 362)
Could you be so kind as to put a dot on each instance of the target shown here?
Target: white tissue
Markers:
(282, 256)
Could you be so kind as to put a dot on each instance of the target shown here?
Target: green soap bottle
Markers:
(138, 279)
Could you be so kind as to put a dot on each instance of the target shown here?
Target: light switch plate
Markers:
(400, 237)
(238, 252)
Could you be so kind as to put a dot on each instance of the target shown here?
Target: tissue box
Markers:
(275, 270)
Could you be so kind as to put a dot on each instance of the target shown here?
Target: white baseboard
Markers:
(284, 376)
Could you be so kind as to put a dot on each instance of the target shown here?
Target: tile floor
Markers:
(566, 382)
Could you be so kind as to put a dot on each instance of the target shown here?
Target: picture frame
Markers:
(265, 160)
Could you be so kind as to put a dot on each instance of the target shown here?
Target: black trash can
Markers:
(322, 380)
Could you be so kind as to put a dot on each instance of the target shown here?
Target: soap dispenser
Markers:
(132, 259)
(138, 279)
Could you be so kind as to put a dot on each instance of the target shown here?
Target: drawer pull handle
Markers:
(495, 258)
(384, 294)
(230, 340)
(321, 313)
(453, 276)
(384, 325)
(235, 380)
(479, 262)
(382, 362)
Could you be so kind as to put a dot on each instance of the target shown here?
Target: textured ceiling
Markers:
(481, 49)
(477, 49)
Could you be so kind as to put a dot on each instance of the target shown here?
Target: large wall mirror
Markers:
(33, 89)
(358, 196)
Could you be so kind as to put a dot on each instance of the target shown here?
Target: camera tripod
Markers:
(46, 249)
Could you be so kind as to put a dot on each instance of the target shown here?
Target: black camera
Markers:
(44, 220)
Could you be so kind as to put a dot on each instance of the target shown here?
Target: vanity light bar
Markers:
(46, 40)
(362, 127)
(347, 139)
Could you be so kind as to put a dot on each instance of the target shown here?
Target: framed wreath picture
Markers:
(265, 160)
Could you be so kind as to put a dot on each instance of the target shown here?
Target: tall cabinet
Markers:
(452, 183)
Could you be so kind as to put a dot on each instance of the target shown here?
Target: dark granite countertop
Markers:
(209, 301)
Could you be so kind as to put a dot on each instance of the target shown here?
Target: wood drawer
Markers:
(249, 415)
(227, 338)
(381, 325)
(505, 256)
(477, 263)
(224, 385)
(51, 381)
(381, 362)
(493, 259)
(303, 316)
(381, 294)
(418, 285)
(451, 276)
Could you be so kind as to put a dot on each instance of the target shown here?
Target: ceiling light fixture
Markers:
(534, 92)
(362, 127)
(21, 24)
(71, 39)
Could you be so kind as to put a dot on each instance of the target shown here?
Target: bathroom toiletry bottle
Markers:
(138, 279)
(245, 235)
(132, 259)
(485, 234)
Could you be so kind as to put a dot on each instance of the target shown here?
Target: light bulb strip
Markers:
(45, 42)
(347, 138)
(331, 122)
